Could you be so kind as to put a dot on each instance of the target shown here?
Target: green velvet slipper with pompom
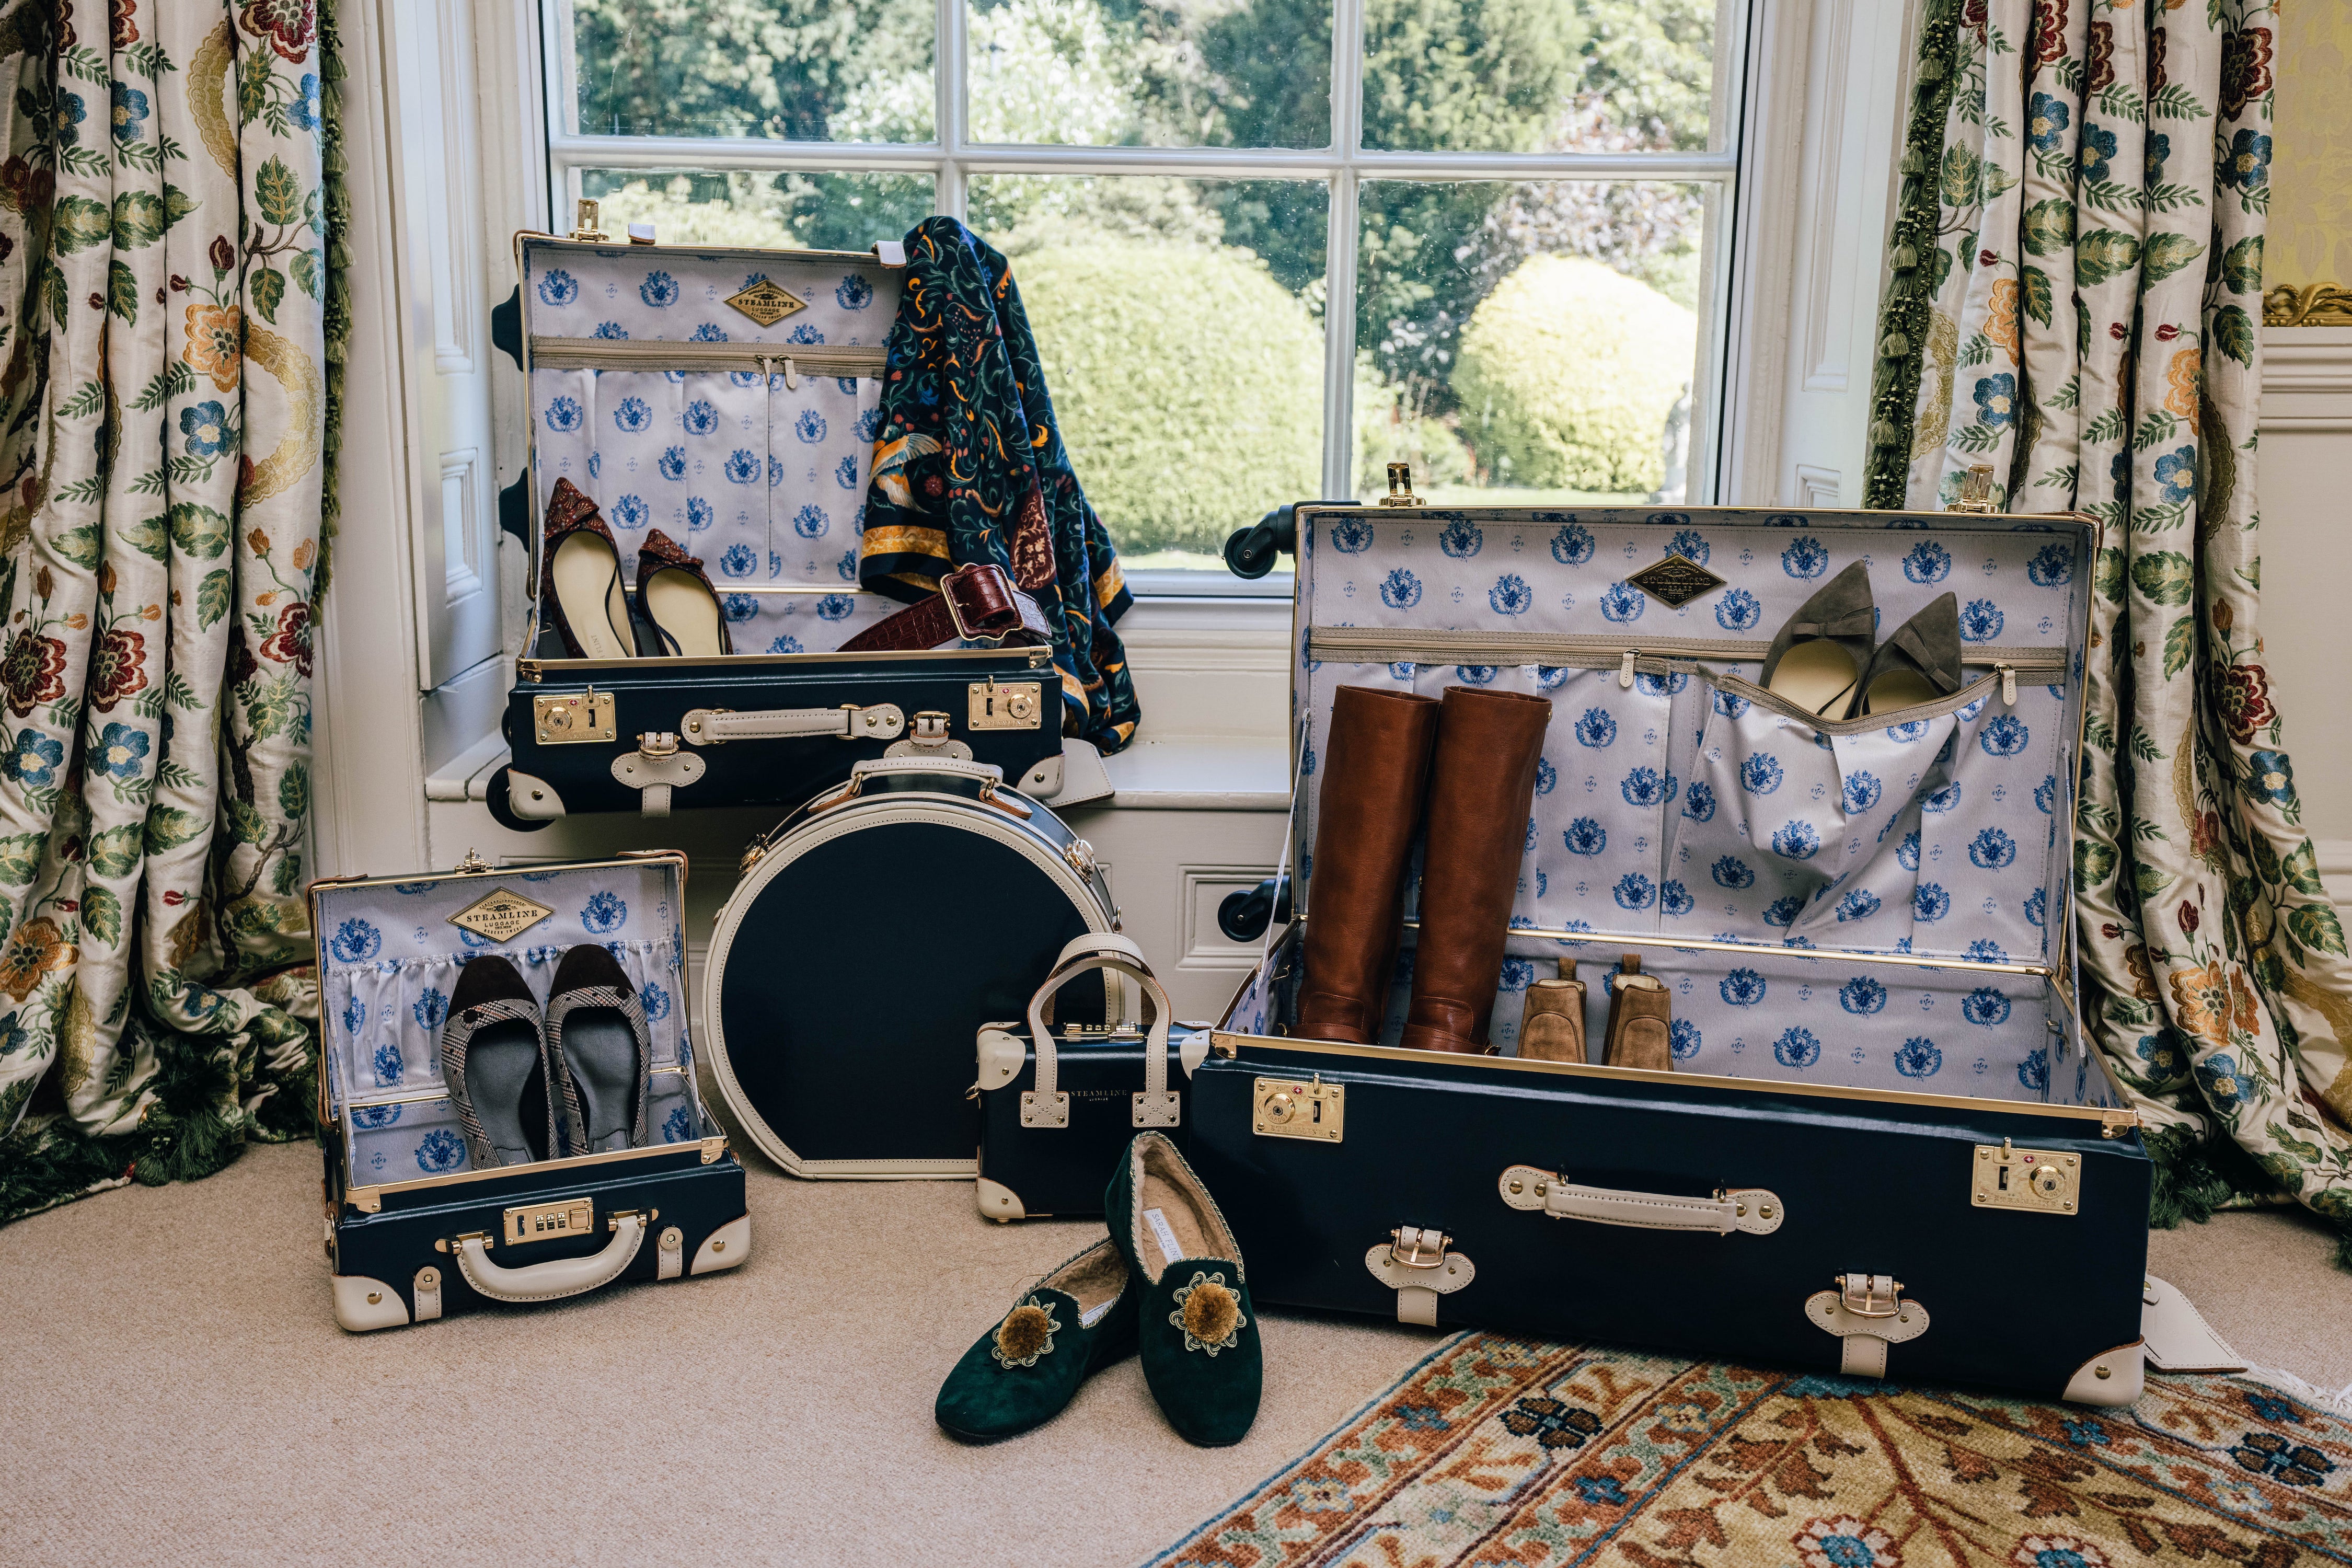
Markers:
(1025, 1371)
(1197, 1325)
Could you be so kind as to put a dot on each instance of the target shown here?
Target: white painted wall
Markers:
(2304, 477)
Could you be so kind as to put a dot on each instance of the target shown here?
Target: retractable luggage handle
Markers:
(1753, 1210)
(1155, 1105)
(557, 1276)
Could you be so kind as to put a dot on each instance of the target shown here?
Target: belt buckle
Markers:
(1412, 1246)
(1870, 1295)
(965, 629)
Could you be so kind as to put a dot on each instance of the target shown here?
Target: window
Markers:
(1487, 237)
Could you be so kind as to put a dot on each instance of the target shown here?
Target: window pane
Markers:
(1116, 73)
(1182, 345)
(1532, 76)
(819, 212)
(1528, 343)
(805, 70)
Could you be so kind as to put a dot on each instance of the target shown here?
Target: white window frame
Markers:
(953, 159)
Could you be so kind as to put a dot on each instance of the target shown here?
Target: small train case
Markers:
(413, 1232)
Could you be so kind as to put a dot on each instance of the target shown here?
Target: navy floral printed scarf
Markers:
(970, 467)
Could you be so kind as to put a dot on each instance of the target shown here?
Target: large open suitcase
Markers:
(1884, 1145)
(729, 397)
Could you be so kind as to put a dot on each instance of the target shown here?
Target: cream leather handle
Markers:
(1155, 1106)
(557, 1276)
(1750, 1209)
(716, 726)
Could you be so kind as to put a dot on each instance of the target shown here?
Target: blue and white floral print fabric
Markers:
(1668, 802)
(392, 958)
(763, 475)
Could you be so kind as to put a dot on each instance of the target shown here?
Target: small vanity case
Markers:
(1884, 1145)
(413, 1232)
(873, 932)
(729, 398)
(1059, 1103)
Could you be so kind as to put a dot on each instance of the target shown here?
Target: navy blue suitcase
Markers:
(729, 398)
(1884, 1146)
(415, 1233)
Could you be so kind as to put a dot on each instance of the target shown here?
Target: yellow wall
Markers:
(2311, 168)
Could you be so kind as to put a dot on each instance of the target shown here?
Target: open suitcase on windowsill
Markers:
(729, 397)
(412, 1231)
(1883, 1143)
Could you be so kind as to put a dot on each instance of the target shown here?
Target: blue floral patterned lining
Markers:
(762, 477)
(391, 959)
(1672, 803)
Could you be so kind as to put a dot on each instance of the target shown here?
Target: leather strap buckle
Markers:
(1870, 1295)
(979, 599)
(1413, 1247)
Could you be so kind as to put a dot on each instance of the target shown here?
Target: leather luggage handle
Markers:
(1155, 1105)
(1753, 1210)
(717, 726)
(557, 1276)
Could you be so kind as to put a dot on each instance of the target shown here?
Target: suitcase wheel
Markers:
(503, 814)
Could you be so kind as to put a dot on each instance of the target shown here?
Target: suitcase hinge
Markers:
(1976, 490)
(2118, 1123)
(1399, 487)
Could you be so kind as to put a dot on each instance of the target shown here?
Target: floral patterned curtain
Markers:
(2075, 304)
(169, 230)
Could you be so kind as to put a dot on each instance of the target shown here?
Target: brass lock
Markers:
(572, 717)
(1011, 705)
(1285, 1108)
(2004, 1176)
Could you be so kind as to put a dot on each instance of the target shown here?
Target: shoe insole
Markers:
(600, 1051)
(1899, 689)
(500, 1063)
(1173, 1226)
(1093, 1279)
(1814, 675)
(588, 586)
(686, 610)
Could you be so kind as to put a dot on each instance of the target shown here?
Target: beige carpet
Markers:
(174, 1388)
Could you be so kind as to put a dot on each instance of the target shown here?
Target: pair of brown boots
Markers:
(1468, 765)
(1641, 1019)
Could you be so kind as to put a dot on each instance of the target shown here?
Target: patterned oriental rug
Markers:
(1497, 1453)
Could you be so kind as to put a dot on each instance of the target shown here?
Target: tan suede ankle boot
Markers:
(1640, 1020)
(1551, 1029)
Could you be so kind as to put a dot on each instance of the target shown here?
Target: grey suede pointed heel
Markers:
(1920, 663)
(1819, 656)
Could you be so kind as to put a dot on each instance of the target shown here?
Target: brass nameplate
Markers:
(545, 1221)
(501, 916)
(1020, 706)
(1285, 1108)
(1675, 580)
(766, 303)
(571, 717)
(2007, 1178)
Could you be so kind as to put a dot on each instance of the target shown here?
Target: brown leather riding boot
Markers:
(1482, 779)
(1375, 770)
(1551, 1025)
(1640, 1020)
